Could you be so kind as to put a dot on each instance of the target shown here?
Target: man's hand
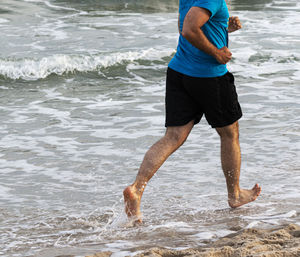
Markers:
(223, 55)
(234, 24)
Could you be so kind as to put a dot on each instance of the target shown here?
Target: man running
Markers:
(198, 83)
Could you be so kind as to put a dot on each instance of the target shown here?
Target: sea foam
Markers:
(59, 64)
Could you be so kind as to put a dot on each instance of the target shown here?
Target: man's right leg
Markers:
(154, 158)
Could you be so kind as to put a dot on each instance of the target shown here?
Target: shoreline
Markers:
(276, 242)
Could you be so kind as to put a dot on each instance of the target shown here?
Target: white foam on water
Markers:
(4, 192)
(122, 254)
(33, 69)
(273, 218)
(289, 214)
(58, 7)
(253, 224)
(48, 31)
(4, 20)
(20, 165)
(205, 235)
(69, 176)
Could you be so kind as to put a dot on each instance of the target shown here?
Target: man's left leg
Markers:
(231, 164)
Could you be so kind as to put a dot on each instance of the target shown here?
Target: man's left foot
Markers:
(245, 196)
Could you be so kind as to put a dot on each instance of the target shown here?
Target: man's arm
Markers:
(194, 20)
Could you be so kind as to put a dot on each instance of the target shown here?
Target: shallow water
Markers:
(82, 99)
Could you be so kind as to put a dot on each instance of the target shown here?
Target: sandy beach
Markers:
(276, 242)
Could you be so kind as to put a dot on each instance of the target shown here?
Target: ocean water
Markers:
(81, 101)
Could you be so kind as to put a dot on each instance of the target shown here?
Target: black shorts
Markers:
(188, 98)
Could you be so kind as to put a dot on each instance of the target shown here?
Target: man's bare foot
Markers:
(132, 204)
(245, 196)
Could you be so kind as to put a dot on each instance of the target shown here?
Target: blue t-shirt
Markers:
(190, 60)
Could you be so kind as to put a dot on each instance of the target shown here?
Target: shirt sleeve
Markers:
(211, 5)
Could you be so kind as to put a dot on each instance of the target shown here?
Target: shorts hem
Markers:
(182, 123)
(226, 123)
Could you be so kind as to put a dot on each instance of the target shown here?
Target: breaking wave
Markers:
(60, 64)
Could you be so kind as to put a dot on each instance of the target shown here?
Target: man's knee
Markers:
(229, 132)
(177, 135)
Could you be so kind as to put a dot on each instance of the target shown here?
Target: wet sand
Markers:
(280, 241)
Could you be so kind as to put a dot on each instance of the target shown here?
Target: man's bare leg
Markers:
(154, 158)
(231, 164)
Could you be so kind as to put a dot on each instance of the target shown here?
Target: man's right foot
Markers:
(132, 204)
(245, 196)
